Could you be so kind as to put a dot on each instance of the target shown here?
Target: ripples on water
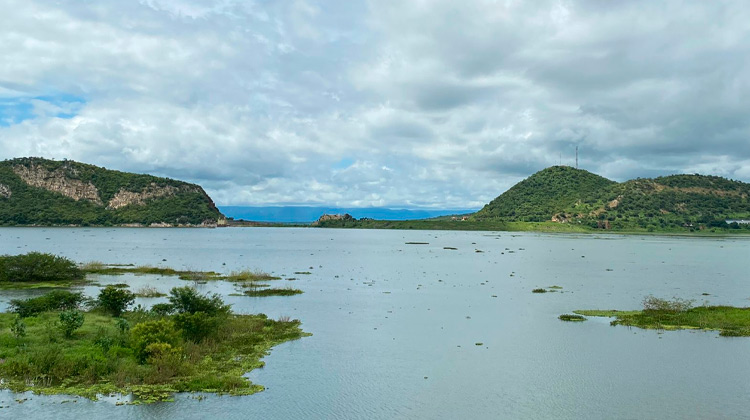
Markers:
(395, 325)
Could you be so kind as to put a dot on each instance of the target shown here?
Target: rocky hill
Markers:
(567, 195)
(36, 191)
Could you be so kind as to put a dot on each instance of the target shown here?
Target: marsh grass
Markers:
(539, 290)
(729, 321)
(258, 292)
(190, 275)
(149, 292)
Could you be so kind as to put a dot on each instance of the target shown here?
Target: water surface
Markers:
(395, 326)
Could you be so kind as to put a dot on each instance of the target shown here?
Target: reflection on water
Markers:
(395, 325)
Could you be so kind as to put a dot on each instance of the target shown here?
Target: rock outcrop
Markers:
(330, 217)
(5, 191)
(58, 181)
(127, 198)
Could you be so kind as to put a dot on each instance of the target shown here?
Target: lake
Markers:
(395, 326)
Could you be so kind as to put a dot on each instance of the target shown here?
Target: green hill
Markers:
(36, 191)
(567, 195)
(557, 189)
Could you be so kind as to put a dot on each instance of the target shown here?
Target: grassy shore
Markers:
(234, 276)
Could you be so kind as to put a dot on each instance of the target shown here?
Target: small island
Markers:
(679, 314)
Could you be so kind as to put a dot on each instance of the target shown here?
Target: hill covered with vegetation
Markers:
(566, 195)
(36, 191)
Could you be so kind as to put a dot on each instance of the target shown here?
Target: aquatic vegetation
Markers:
(302, 272)
(159, 355)
(679, 314)
(149, 292)
(58, 300)
(272, 292)
(36, 269)
(571, 317)
(539, 290)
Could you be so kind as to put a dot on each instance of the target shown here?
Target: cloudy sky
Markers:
(416, 103)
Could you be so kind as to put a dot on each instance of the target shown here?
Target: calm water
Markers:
(395, 325)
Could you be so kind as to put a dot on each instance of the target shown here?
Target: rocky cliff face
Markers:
(58, 181)
(4, 191)
(127, 198)
(328, 217)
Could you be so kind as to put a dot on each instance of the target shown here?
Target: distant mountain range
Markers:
(308, 214)
(36, 191)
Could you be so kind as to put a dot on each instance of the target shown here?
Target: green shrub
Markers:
(188, 300)
(571, 317)
(676, 305)
(18, 328)
(58, 300)
(197, 326)
(39, 267)
(146, 333)
(115, 300)
(162, 309)
(70, 321)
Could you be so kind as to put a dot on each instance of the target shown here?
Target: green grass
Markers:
(100, 358)
(540, 290)
(728, 320)
(571, 318)
(260, 292)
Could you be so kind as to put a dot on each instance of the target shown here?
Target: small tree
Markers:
(187, 300)
(70, 321)
(115, 300)
(18, 327)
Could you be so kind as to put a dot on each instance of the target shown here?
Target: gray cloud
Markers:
(431, 103)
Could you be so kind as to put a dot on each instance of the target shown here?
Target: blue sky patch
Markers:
(18, 109)
(343, 163)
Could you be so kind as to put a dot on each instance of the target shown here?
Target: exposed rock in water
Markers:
(126, 198)
(329, 217)
(57, 181)
(4, 191)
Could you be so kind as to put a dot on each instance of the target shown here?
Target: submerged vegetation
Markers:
(192, 343)
(676, 314)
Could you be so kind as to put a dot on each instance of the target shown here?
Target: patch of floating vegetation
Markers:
(450, 248)
(149, 292)
(234, 276)
(304, 273)
(571, 317)
(121, 285)
(272, 292)
(679, 314)
(417, 243)
(555, 287)
(539, 290)
(192, 344)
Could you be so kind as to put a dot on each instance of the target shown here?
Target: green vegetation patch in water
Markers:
(272, 292)
(678, 314)
(195, 345)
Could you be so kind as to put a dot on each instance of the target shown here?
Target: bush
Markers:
(70, 321)
(59, 300)
(162, 309)
(187, 300)
(18, 328)
(652, 303)
(146, 333)
(571, 317)
(115, 300)
(197, 326)
(39, 267)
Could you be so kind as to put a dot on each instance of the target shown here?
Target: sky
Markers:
(405, 104)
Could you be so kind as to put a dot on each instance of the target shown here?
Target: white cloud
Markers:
(434, 103)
